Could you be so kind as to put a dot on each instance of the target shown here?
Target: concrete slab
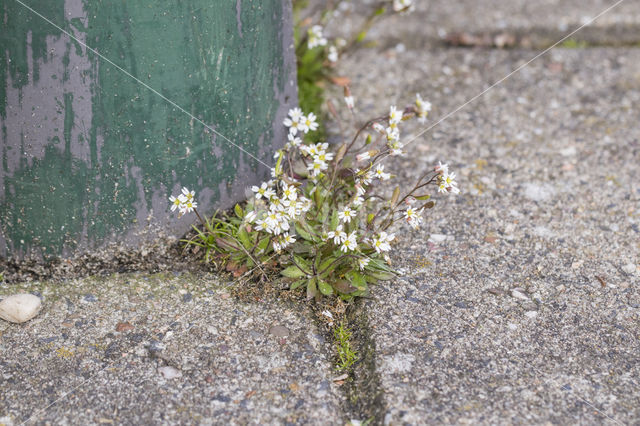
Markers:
(539, 22)
(164, 349)
(520, 300)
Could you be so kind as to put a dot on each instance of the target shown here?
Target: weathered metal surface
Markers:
(89, 155)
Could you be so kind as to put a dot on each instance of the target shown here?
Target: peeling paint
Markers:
(89, 156)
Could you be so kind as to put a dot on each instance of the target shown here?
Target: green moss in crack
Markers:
(346, 356)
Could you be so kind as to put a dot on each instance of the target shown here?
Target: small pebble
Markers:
(629, 268)
(531, 314)
(279, 330)
(20, 308)
(437, 238)
(123, 326)
(169, 372)
(519, 295)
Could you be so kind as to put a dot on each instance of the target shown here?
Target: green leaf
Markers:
(312, 290)
(395, 196)
(368, 140)
(358, 281)
(325, 288)
(325, 263)
(334, 219)
(343, 286)
(303, 233)
(423, 197)
(239, 211)
(361, 36)
(302, 262)
(378, 265)
(279, 162)
(297, 284)
(341, 152)
(263, 243)
(370, 218)
(226, 244)
(293, 272)
(380, 11)
(244, 238)
(318, 197)
(382, 276)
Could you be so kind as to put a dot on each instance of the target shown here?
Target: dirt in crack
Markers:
(363, 389)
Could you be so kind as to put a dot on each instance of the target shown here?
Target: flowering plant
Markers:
(318, 53)
(320, 215)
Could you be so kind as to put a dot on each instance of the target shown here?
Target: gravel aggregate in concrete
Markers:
(433, 20)
(517, 304)
(129, 349)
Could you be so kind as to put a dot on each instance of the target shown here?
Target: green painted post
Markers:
(90, 155)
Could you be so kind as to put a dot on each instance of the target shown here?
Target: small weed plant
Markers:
(324, 220)
(318, 54)
(323, 217)
(345, 354)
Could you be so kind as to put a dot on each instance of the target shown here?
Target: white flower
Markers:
(188, 195)
(317, 167)
(403, 5)
(271, 220)
(293, 210)
(250, 216)
(304, 204)
(292, 124)
(363, 262)
(396, 148)
(310, 123)
(295, 114)
(276, 172)
(289, 191)
(315, 37)
(349, 243)
(358, 200)
(448, 183)
(276, 204)
(276, 246)
(346, 215)
(175, 202)
(395, 116)
(187, 207)
(269, 193)
(380, 174)
(338, 235)
(364, 156)
(414, 218)
(349, 101)
(366, 178)
(287, 240)
(387, 237)
(323, 156)
(393, 134)
(333, 54)
(423, 108)
(293, 140)
(381, 243)
(315, 149)
(378, 127)
(442, 168)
